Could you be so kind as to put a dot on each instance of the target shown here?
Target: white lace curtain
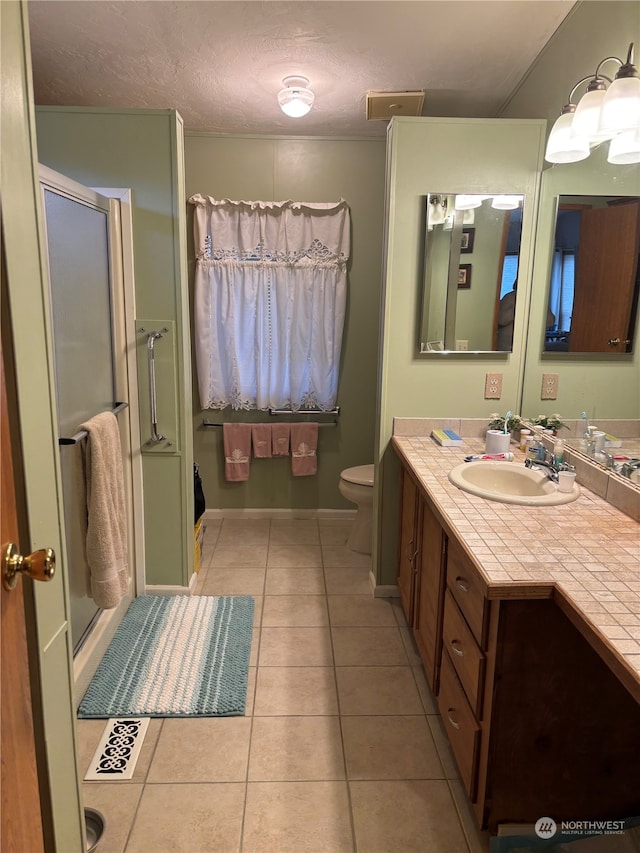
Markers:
(270, 296)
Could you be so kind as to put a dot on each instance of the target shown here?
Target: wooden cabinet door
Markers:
(409, 545)
(429, 594)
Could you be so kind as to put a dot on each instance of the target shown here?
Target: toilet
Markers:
(356, 485)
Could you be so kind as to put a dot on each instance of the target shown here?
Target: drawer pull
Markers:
(451, 720)
(462, 583)
(457, 651)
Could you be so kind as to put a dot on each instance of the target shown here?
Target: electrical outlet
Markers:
(549, 386)
(462, 346)
(493, 386)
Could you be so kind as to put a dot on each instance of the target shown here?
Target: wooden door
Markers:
(21, 823)
(409, 545)
(430, 595)
(606, 277)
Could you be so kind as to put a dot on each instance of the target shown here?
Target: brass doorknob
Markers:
(39, 566)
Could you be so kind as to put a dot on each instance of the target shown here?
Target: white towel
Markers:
(106, 543)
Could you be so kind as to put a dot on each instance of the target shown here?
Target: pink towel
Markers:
(261, 437)
(304, 442)
(280, 439)
(237, 451)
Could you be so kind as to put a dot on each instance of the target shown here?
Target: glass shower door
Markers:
(82, 316)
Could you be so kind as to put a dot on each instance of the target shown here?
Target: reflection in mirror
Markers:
(595, 275)
(472, 253)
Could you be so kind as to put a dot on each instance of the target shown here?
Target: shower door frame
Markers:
(122, 297)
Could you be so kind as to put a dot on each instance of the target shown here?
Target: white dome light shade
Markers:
(625, 148)
(562, 146)
(466, 202)
(586, 119)
(295, 99)
(506, 202)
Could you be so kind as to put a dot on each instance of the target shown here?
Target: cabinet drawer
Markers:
(460, 725)
(467, 589)
(466, 656)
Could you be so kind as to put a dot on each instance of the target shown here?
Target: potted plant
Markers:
(551, 422)
(497, 422)
(500, 430)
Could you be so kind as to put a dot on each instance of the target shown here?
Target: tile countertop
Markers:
(584, 554)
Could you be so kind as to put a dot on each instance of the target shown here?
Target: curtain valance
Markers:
(290, 232)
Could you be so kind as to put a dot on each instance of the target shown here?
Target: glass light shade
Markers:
(436, 213)
(506, 202)
(295, 102)
(469, 217)
(466, 202)
(625, 148)
(621, 106)
(586, 119)
(562, 146)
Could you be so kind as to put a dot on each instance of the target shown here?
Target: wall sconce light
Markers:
(603, 113)
(295, 99)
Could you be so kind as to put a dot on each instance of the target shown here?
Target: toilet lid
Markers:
(361, 475)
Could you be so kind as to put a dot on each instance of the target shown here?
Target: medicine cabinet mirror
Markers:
(594, 276)
(471, 259)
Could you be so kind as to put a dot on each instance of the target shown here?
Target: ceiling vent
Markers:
(384, 105)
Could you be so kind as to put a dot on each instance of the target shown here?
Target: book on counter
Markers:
(446, 437)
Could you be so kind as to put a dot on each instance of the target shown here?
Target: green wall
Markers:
(316, 170)
(142, 150)
(504, 156)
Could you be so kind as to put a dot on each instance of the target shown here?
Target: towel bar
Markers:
(290, 413)
(220, 425)
(118, 407)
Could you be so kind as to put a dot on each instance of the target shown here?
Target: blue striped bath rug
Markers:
(178, 656)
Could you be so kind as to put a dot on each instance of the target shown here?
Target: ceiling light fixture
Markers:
(296, 99)
(605, 112)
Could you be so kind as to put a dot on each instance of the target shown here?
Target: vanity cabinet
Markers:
(537, 721)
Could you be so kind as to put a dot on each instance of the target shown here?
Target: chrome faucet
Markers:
(551, 466)
(627, 468)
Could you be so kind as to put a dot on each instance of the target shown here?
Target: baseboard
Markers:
(168, 590)
(383, 590)
(291, 513)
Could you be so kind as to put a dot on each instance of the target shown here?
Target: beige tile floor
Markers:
(341, 748)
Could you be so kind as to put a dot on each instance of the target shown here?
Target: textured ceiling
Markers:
(221, 64)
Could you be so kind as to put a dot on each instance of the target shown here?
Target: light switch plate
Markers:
(549, 386)
(493, 386)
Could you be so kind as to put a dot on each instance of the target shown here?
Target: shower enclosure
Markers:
(92, 315)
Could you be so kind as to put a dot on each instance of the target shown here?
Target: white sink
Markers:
(511, 483)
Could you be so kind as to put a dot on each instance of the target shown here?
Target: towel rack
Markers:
(288, 412)
(118, 407)
(220, 425)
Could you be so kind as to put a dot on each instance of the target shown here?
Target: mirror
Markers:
(595, 275)
(471, 259)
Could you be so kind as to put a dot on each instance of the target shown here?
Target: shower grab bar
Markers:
(152, 337)
(117, 408)
(220, 425)
(335, 411)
